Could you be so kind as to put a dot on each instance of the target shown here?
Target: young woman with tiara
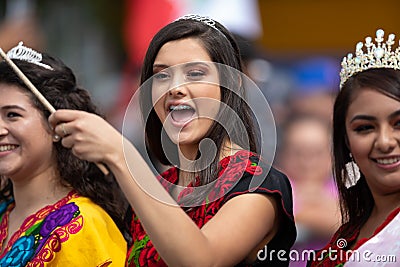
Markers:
(366, 147)
(219, 203)
(55, 209)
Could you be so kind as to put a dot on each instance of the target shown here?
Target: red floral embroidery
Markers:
(149, 256)
(138, 229)
(231, 171)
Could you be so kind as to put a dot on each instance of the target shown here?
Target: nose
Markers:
(3, 129)
(387, 139)
(177, 91)
(178, 88)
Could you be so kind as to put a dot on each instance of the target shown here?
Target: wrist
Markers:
(115, 158)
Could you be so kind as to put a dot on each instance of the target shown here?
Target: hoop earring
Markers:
(353, 173)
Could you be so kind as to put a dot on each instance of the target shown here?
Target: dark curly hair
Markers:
(59, 87)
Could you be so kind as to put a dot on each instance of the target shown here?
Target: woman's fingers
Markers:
(89, 136)
(62, 130)
(63, 115)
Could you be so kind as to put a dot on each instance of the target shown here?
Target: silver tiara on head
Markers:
(379, 55)
(27, 54)
(203, 19)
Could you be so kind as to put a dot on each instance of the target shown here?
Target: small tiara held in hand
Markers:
(27, 54)
(379, 55)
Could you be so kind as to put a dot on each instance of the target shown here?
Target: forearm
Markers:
(161, 217)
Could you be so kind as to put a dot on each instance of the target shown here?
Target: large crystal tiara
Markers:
(379, 55)
(24, 53)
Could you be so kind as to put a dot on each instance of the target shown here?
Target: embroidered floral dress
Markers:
(239, 174)
(72, 232)
(336, 253)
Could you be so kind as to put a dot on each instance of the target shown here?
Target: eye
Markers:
(195, 75)
(13, 114)
(363, 128)
(160, 76)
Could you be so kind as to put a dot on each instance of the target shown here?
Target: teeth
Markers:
(180, 107)
(387, 161)
(7, 147)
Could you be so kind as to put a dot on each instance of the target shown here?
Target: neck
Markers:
(384, 204)
(37, 191)
(187, 153)
(187, 159)
(228, 149)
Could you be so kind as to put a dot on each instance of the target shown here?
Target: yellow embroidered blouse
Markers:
(72, 232)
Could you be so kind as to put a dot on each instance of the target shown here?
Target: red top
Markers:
(237, 174)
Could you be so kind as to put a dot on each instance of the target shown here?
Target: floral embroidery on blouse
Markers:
(231, 170)
(41, 234)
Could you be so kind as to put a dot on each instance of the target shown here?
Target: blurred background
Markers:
(291, 48)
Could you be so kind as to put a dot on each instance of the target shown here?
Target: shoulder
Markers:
(252, 174)
(99, 234)
(95, 217)
(89, 209)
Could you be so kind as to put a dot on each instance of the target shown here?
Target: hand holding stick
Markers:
(36, 92)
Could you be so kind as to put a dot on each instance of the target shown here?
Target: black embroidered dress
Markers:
(241, 173)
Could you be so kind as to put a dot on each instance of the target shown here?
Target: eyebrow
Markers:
(371, 118)
(395, 114)
(160, 66)
(189, 64)
(13, 107)
(362, 117)
(185, 65)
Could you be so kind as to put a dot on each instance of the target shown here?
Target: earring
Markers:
(56, 138)
(353, 173)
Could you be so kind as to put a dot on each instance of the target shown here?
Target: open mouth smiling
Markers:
(181, 113)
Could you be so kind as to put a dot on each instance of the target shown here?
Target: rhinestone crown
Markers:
(24, 53)
(379, 55)
(203, 19)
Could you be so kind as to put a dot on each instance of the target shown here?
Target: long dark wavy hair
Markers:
(223, 49)
(356, 203)
(59, 87)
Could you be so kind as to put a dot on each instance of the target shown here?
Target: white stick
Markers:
(27, 82)
(36, 92)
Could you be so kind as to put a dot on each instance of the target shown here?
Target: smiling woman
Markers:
(206, 209)
(366, 140)
(55, 209)
(15, 104)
